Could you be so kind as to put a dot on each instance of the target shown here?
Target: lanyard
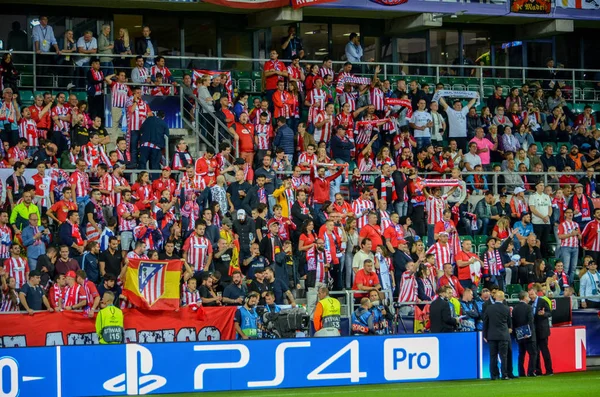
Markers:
(44, 32)
(87, 45)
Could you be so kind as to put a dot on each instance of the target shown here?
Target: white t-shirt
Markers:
(420, 119)
(472, 159)
(457, 122)
(542, 204)
(89, 45)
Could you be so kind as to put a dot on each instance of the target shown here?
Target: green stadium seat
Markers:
(27, 96)
(26, 80)
(245, 85)
(551, 262)
(459, 87)
(258, 85)
(488, 90)
(81, 95)
(257, 74)
(465, 237)
(513, 289)
(424, 239)
(589, 94)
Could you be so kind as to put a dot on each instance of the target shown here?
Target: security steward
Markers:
(109, 323)
(327, 316)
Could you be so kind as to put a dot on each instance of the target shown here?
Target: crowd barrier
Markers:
(264, 364)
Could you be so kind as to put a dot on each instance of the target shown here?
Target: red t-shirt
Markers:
(307, 239)
(367, 280)
(393, 235)
(246, 134)
(61, 209)
(464, 273)
(271, 81)
(373, 233)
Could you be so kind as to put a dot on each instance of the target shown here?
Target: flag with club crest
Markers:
(153, 285)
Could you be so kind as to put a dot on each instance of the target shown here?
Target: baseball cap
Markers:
(272, 221)
(406, 164)
(71, 274)
(167, 168)
(519, 190)
(402, 241)
(119, 164)
(241, 213)
(578, 185)
(227, 222)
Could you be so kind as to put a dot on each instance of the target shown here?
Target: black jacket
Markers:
(267, 248)
(298, 217)
(441, 317)
(246, 232)
(154, 130)
(496, 322)
(141, 45)
(542, 325)
(523, 315)
(494, 102)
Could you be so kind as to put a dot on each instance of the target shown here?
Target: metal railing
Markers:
(577, 82)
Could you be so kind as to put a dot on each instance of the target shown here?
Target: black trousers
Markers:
(543, 233)
(418, 218)
(498, 348)
(527, 346)
(543, 351)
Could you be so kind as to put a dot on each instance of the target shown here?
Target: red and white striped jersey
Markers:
(134, 255)
(408, 288)
(17, 154)
(94, 155)
(28, 130)
(318, 97)
(164, 71)
(198, 249)
(345, 120)
(358, 207)
(442, 253)
(325, 71)
(107, 182)
(264, 135)
(119, 181)
(143, 233)
(435, 208)
(60, 125)
(257, 114)
(81, 181)
(17, 268)
(296, 73)
(364, 132)
(179, 157)
(324, 133)
(348, 97)
(44, 186)
(74, 295)
(5, 241)
(190, 298)
(196, 183)
(120, 92)
(377, 98)
(6, 303)
(137, 114)
(91, 293)
(385, 219)
(316, 261)
(124, 224)
(307, 158)
(565, 228)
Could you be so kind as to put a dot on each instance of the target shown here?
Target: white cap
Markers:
(519, 190)
(241, 213)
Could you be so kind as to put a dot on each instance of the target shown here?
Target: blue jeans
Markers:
(107, 68)
(569, 257)
(401, 208)
(423, 142)
(430, 238)
(483, 226)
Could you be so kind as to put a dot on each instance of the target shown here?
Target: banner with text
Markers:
(135, 369)
(73, 328)
(305, 3)
(531, 6)
(249, 3)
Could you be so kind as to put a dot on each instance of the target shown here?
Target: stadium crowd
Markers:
(341, 180)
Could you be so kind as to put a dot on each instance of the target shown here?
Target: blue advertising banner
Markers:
(590, 319)
(169, 104)
(218, 366)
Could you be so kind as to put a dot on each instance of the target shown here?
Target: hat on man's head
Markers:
(71, 274)
(241, 213)
(519, 190)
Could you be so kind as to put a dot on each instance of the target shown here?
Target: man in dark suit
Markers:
(494, 289)
(497, 326)
(147, 47)
(542, 314)
(440, 312)
(522, 316)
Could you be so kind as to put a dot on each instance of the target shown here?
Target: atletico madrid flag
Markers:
(153, 285)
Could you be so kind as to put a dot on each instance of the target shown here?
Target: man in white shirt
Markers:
(457, 120)
(471, 159)
(540, 206)
(421, 123)
(86, 44)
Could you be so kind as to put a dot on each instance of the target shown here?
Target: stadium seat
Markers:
(245, 85)
(466, 237)
(551, 262)
(26, 80)
(513, 289)
(488, 90)
(424, 239)
(480, 242)
(81, 95)
(459, 87)
(27, 97)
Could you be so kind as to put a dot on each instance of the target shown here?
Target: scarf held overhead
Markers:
(456, 94)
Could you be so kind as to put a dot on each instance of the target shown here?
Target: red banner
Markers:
(305, 3)
(249, 3)
(73, 328)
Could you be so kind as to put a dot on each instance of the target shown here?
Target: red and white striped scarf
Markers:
(401, 102)
(98, 76)
(492, 268)
(384, 188)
